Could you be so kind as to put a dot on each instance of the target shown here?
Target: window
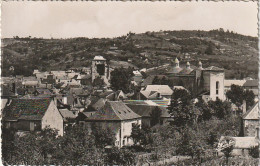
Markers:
(217, 87)
(123, 142)
(101, 69)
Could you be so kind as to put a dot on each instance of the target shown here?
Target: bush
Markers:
(254, 152)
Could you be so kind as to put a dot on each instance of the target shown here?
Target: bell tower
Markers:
(100, 68)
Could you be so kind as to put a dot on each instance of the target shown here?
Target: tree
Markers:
(209, 49)
(236, 95)
(155, 116)
(220, 108)
(120, 157)
(121, 79)
(98, 82)
(141, 136)
(206, 111)
(136, 133)
(249, 97)
(181, 108)
(226, 145)
(254, 152)
(156, 81)
(103, 136)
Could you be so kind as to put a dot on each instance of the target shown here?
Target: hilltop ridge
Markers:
(238, 54)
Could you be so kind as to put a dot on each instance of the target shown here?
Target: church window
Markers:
(217, 87)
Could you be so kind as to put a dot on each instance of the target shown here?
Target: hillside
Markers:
(236, 53)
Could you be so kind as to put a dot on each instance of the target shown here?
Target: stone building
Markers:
(34, 115)
(251, 121)
(100, 68)
(118, 117)
(198, 80)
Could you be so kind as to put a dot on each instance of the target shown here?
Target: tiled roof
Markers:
(43, 91)
(162, 103)
(66, 114)
(253, 113)
(162, 89)
(149, 94)
(186, 71)
(251, 83)
(114, 110)
(30, 109)
(214, 68)
(146, 110)
(134, 101)
(99, 104)
(235, 82)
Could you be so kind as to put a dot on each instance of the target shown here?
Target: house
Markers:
(118, 117)
(138, 77)
(163, 90)
(251, 121)
(32, 115)
(151, 114)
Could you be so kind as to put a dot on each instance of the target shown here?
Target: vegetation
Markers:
(76, 147)
(237, 95)
(121, 79)
(236, 53)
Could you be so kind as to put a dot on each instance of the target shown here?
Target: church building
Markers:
(198, 80)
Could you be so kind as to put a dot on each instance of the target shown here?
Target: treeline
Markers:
(76, 147)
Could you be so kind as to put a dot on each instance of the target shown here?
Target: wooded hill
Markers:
(238, 54)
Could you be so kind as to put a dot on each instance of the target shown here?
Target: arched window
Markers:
(217, 87)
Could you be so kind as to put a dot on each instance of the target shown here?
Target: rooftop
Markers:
(114, 110)
(100, 58)
(29, 109)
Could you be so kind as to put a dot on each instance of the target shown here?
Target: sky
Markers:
(112, 19)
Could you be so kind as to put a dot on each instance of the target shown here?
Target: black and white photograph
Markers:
(129, 83)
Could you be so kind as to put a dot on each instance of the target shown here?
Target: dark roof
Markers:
(251, 83)
(78, 91)
(66, 114)
(99, 104)
(43, 91)
(214, 68)
(29, 109)
(113, 110)
(48, 81)
(146, 110)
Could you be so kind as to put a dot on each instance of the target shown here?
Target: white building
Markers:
(118, 117)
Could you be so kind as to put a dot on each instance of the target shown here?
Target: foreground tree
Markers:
(181, 108)
(116, 156)
(226, 145)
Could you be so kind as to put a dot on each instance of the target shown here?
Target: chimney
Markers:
(200, 65)
(257, 133)
(65, 100)
(244, 107)
(188, 65)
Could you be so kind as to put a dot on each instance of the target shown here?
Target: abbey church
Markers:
(207, 81)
